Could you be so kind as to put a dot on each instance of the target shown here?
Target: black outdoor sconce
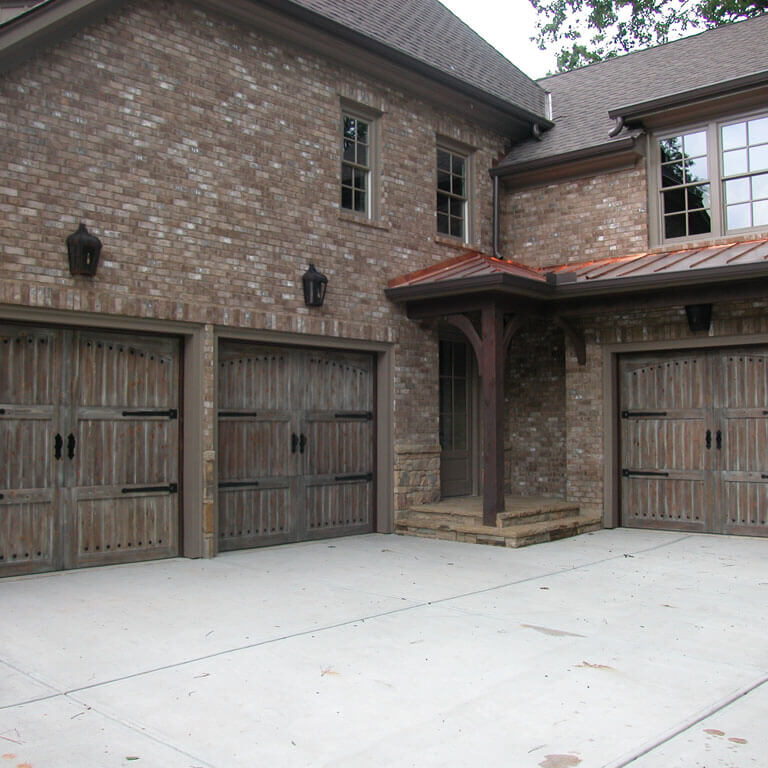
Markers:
(315, 284)
(83, 249)
(699, 316)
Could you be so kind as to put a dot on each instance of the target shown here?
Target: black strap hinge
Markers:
(363, 476)
(635, 414)
(237, 483)
(171, 413)
(170, 488)
(638, 473)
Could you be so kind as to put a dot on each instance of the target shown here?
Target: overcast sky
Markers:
(507, 25)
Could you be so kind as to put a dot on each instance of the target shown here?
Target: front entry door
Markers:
(455, 419)
(296, 437)
(694, 434)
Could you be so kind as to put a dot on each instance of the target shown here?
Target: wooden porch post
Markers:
(492, 373)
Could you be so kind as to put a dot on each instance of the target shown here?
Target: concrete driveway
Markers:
(614, 648)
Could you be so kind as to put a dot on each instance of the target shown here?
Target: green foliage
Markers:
(587, 31)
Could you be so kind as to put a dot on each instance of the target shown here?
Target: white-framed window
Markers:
(710, 179)
(359, 161)
(452, 193)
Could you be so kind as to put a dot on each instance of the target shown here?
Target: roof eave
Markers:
(636, 111)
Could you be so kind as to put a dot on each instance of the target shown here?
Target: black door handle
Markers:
(294, 442)
(71, 446)
(302, 443)
(719, 440)
(58, 444)
(709, 439)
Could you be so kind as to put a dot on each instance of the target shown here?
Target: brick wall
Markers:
(578, 220)
(206, 158)
(534, 401)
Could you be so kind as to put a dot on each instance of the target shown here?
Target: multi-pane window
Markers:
(685, 187)
(451, 193)
(745, 173)
(713, 179)
(356, 165)
(454, 393)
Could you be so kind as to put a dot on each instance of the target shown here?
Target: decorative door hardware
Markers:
(171, 488)
(58, 444)
(238, 484)
(171, 413)
(635, 414)
(709, 439)
(71, 442)
(719, 440)
(362, 415)
(363, 476)
(638, 473)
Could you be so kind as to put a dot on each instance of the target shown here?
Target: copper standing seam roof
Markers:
(717, 261)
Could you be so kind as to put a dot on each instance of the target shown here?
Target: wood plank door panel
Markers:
(665, 406)
(741, 442)
(124, 501)
(30, 403)
(338, 421)
(257, 453)
(295, 444)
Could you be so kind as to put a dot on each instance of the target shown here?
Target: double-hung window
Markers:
(356, 164)
(452, 193)
(712, 179)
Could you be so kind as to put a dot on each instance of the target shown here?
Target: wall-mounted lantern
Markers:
(315, 284)
(699, 316)
(83, 249)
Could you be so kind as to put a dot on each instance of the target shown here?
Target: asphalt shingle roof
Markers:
(428, 32)
(582, 98)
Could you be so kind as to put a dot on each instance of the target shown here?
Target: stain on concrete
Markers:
(559, 761)
(714, 732)
(737, 740)
(551, 632)
(587, 665)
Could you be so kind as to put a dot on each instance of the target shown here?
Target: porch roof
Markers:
(716, 266)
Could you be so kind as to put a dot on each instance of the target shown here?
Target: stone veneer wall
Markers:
(205, 155)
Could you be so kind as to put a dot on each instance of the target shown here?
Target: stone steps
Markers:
(524, 522)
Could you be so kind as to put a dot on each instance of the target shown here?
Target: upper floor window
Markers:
(713, 180)
(745, 173)
(452, 195)
(356, 164)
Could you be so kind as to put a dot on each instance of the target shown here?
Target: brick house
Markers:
(186, 399)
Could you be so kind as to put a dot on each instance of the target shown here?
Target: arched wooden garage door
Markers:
(694, 441)
(296, 437)
(89, 448)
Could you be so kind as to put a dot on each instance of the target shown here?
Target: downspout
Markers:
(496, 217)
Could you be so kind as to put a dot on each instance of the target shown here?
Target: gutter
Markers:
(585, 153)
(723, 88)
(516, 286)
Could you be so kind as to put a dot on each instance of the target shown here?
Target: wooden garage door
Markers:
(295, 444)
(89, 442)
(694, 441)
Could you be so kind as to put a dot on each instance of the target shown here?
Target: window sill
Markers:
(455, 242)
(351, 218)
(709, 240)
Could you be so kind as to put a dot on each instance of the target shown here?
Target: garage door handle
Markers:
(71, 446)
(58, 444)
(294, 442)
(709, 439)
(719, 440)
(302, 442)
